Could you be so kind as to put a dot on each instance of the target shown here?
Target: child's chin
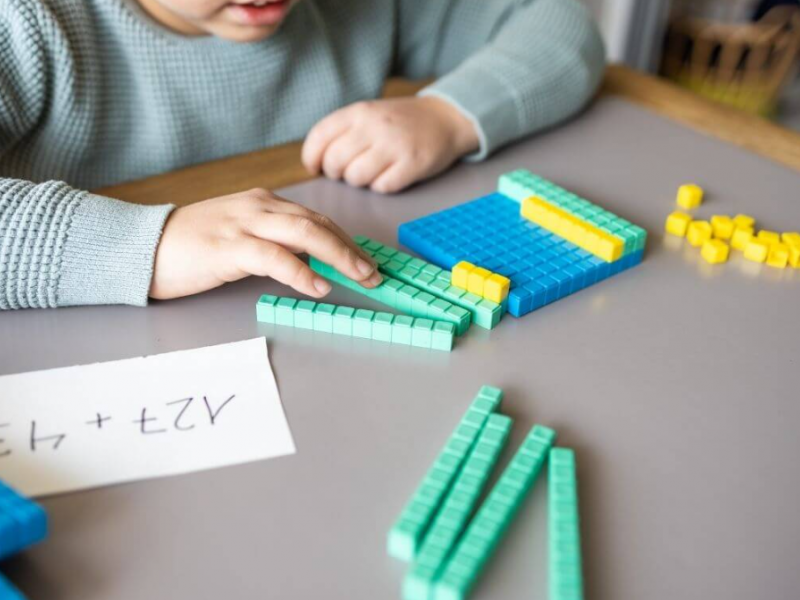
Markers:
(242, 33)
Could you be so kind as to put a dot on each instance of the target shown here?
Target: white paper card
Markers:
(87, 426)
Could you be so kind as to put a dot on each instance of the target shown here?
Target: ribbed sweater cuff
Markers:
(109, 252)
(489, 106)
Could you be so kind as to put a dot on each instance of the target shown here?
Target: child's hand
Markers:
(252, 233)
(389, 144)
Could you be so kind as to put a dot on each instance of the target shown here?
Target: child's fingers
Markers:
(366, 167)
(314, 238)
(263, 258)
(395, 178)
(283, 205)
(320, 137)
(341, 152)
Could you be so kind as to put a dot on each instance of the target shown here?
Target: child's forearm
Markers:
(60, 246)
(538, 63)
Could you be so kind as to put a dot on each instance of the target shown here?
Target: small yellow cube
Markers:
(459, 276)
(715, 251)
(756, 250)
(794, 255)
(723, 226)
(778, 256)
(743, 221)
(477, 280)
(771, 237)
(741, 237)
(689, 196)
(677, 223)
(698, 233)
(496, 288)
(791, 238)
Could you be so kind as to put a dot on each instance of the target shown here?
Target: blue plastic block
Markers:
(22, 522)
(8, 591)
(490, 231)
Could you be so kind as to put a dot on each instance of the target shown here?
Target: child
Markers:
(94, 92)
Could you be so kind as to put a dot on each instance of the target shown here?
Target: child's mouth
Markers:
(259, 12)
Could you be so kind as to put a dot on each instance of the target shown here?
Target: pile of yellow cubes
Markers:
(717, 236)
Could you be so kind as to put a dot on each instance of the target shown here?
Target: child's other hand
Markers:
(252, 233)
(387, 145)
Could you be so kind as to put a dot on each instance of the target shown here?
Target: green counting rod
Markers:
(431, 279)
(402, 297)
(456, 509)
(521, 184)
(494, 516)
(565, 576)
(406, 536)
(358, 323)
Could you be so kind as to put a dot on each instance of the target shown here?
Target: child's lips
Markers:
(259, 12)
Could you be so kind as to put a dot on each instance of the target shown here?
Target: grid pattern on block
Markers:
(490, 232)
(521, 184)
(432, 280)
(406, 535)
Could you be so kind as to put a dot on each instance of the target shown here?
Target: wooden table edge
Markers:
(280, 166)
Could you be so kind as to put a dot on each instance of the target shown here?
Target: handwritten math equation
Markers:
(182, 415)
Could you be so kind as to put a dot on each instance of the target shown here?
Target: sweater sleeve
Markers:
(60, 246)
(513, 67)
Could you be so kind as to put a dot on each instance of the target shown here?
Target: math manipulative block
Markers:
(689, 196)
(402, 297)
(715, 251)
(565, 573)
(456, 508)
(434, 281)
(358, 323)
(22, 522)
(407, 534)
(494, 516)
(678, 223)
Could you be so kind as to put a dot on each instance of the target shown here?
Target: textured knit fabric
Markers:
(93, 92)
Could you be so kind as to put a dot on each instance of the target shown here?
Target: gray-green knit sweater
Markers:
(92, 92)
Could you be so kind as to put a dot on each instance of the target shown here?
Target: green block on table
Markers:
(402, 297)
(493, 517)
(265, 309)
(432, 280)
(565, 573)
(407, 534)
(361, 323)
(323, 318)
(456, 507)
(284, 311)
(521, 184)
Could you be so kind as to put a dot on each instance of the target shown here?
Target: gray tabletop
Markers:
(675, 382)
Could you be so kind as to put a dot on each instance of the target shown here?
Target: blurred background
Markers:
(744, 53)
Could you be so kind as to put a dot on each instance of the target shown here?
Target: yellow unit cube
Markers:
(794, 255)
(741, 237)
(689, 196)
(459, 276)
(778, 256)
(477, 279)
(771, 237)
(756, 250)
(723, 226)
(698, 233)
(791, 238)
(715, 251)
(496, 288)
(744, 221)
(677, 223)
